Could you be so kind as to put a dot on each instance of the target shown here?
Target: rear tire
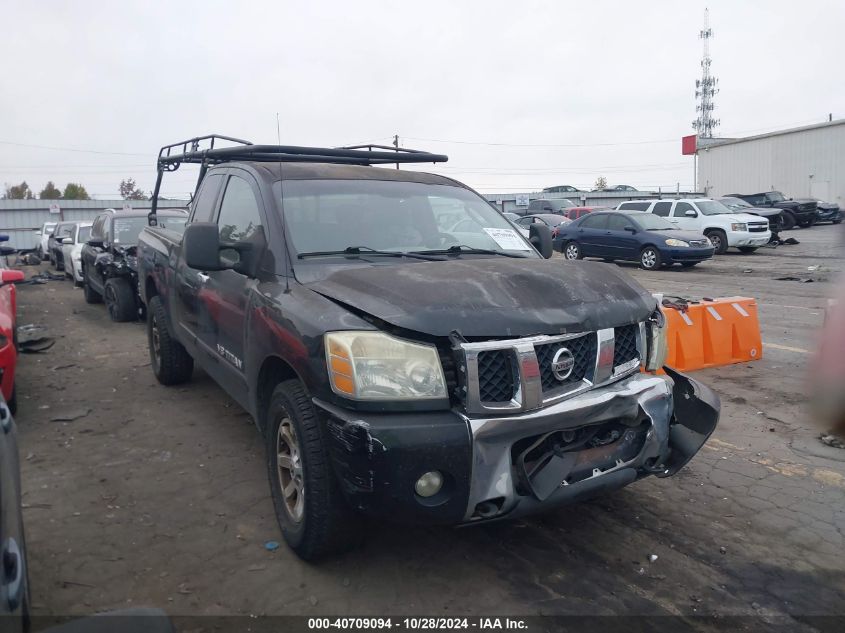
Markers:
(91, 295)
(120, 300)
(650, 258)
(788, 221)
(170, 361)
(747, 250)
(719, 239)
(315, 519)
(571, 250)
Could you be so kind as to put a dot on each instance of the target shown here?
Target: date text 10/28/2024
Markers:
(420, 623)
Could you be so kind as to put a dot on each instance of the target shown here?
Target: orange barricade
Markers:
(713, 333)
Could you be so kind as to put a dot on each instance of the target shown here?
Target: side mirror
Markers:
(540, 237)
(630, 229)
(9, 276)
(67, 240)
(691, 214)
(201, 246)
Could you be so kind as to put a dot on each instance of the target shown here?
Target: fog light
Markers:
(429, 484)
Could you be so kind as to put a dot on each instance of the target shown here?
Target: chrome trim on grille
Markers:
(529, 394)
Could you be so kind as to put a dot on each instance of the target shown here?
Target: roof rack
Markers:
(170, 157)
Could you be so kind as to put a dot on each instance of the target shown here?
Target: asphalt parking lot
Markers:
(158, 496)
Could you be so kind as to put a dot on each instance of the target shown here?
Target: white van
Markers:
(724, 227)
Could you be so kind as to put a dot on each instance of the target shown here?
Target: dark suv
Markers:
(109, 262)
(801, 211)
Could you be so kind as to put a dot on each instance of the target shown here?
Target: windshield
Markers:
(735, 203)
(332, 215)
(775, 196)
(126, 230)
(711, 207)
(83, 234)
(650, 222)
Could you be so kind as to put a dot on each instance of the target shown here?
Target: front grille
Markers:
(583, 351)
(496, 376)
(625, 349)
(807, 206)
(757, 228)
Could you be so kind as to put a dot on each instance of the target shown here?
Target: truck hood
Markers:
(740, 217)
(765, 212)
(491, 297)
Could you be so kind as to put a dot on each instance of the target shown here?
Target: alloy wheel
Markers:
(572, 251)
(648, 258)
(289, 467)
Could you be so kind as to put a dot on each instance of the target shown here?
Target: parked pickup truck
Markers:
(801, 212)
(395, 368)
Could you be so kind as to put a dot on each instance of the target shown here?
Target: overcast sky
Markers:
(519, 94)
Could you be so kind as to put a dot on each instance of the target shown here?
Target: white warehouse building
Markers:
(803, 162)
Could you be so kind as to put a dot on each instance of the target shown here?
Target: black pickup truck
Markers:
(801, 212)
(396, 368)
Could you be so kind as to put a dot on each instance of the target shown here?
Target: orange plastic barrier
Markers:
(713, 333)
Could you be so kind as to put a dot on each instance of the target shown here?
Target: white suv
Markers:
(724, 227)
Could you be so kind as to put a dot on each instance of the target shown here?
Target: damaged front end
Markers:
(594, 443)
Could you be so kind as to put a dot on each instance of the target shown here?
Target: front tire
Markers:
(314, 517)
(650, 258)
(171, 362)
(788, 221)
(720, 241)
(120, 300)
(571, 250)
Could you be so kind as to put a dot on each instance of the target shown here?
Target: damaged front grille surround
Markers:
(512, 375)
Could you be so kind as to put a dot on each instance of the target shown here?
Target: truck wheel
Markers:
(747, 250)
(805, 224)
(837, 221)
(171, 362)
(719, 239)
(120, 300)
(650, 258)
(91, 295)
(788, 221)
(313, 515)
(572, 251)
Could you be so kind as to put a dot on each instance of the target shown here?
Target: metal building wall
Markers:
(20, 219)
(805, 162)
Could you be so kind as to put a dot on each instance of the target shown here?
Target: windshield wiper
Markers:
(357, 251)
(459, 249)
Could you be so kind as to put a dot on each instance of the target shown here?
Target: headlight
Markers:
(657, 341)
(739, 226)
(674, 242)
(377, 366)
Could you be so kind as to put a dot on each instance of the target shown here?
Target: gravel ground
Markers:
(158, 496)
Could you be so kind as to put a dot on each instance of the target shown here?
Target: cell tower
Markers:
(706, 87)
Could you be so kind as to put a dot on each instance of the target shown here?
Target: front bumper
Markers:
(77, 270)
(746, 238)
(828, 215)
(8, 361)
(680, 255)
(503, 467)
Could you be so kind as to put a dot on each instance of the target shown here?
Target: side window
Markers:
(97, 230)
(662, 209)
(635, 206)
(681, 209)
(203, 207)
(617, 223)
(595, 222)
(525, 221)
(239, 218)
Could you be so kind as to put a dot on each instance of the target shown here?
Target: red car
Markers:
(576, 212)
(8, 323)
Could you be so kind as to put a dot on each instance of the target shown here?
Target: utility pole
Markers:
(396, 145)
(706, 87)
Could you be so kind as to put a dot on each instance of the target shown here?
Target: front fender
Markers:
(695, 417)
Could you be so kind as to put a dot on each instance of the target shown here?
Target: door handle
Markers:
(203, 277)
(13, 573)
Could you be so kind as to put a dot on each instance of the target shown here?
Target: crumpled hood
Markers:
(492, 297)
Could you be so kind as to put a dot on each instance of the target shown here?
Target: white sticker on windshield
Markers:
(507, 239)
